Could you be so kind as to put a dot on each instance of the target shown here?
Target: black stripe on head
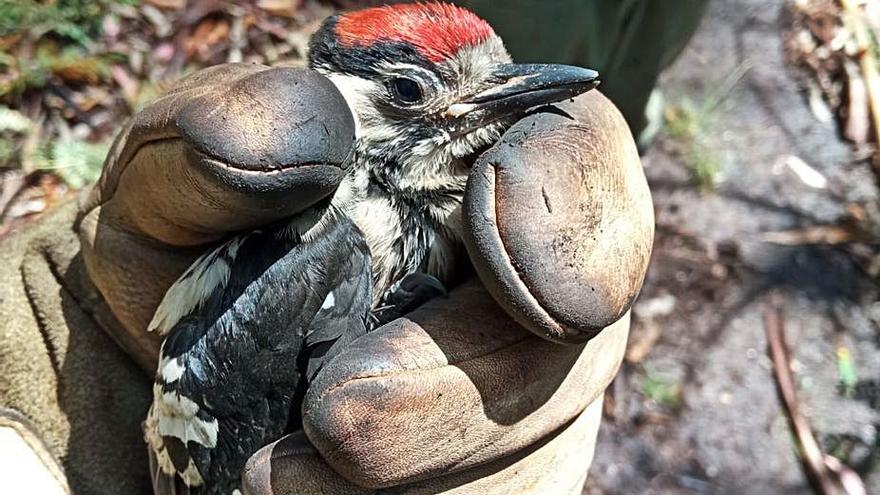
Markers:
(326, 51)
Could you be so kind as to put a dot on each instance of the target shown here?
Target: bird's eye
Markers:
(406, 90)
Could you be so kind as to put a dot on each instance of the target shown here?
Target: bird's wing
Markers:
(345, 309)
(406, 295)
(205, 360)
(232, 362)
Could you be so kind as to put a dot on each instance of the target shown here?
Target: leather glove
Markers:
(461, 396)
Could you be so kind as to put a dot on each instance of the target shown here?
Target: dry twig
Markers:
(827, 474)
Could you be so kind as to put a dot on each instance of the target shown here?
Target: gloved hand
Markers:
(462, 396)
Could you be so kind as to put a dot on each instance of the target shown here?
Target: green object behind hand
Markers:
(628, 41)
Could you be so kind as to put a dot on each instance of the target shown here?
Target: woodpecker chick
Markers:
(429, 85)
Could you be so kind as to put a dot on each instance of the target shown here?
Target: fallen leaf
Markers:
(86, 70)
(237, 40)
(641, 342)
(164, 52)
(209, 32)
(158, 20)
(11, 182)
(13, 120)
(807, 174)
(25, 208)
(110, 26)
(281, 8)
(655, 307)
(270, 27)
(818, 107)
(129, 85)
(824, 26)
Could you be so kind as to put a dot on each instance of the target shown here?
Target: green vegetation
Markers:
(663, 391)
(75, 20)
(846, 370)
(688, 123)
(76, 161)
(46, 48)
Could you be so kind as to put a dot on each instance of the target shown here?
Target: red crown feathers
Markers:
(436, 30)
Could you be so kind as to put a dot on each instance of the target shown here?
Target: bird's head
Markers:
(429, 83)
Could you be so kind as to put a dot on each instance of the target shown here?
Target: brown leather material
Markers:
(554, 465)
(132, 284)
(455, 385)
(229, 148)
(559, 221)
(292, 466)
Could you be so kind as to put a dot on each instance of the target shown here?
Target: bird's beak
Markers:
(517, 88)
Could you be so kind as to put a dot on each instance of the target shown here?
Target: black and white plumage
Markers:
(233, 358)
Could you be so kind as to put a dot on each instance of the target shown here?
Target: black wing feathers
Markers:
(239, 350)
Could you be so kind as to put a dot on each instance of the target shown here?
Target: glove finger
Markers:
(556, 464)
(292, 466)
(453, 385)
(232, 147)
(559, 221)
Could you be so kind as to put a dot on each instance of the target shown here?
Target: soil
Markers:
(699, 413)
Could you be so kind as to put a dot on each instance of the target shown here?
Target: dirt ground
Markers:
(699, 413)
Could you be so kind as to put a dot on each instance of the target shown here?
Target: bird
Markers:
(429, 86)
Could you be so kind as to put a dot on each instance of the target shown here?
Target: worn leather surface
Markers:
(559, 220)
(554, 465)
(453, 398)
(460, 381)
(228, 148)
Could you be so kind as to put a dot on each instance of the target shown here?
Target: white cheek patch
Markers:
(354, 90)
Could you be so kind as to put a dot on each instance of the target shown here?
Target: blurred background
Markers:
(758, 122)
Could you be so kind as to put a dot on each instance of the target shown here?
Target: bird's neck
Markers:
(409, 225)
